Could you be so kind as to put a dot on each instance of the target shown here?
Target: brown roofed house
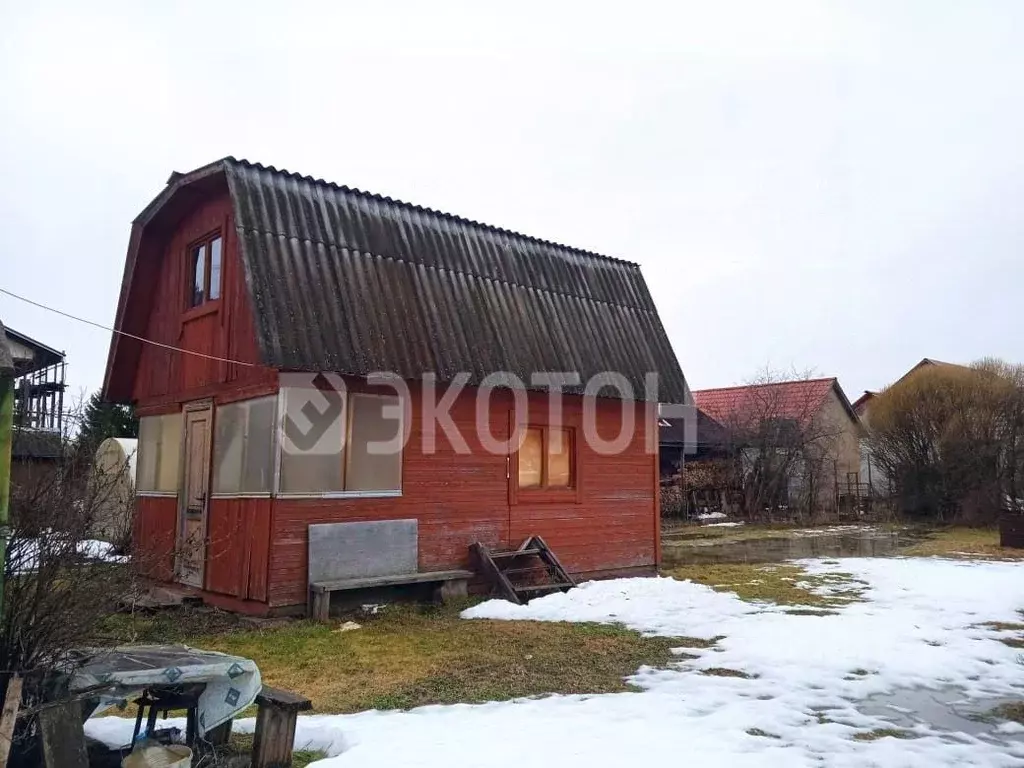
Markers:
(256, 477)
(814, 413)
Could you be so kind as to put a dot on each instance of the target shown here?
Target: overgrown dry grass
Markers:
(783, 583)
(410, 655)
(963, 542)
(1014, 712)
(881, 733)
(1013, 632)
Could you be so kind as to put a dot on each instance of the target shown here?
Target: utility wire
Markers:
(129, 335)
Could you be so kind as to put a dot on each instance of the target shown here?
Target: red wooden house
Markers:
(238, 276)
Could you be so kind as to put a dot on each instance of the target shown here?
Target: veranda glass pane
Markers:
(313, 463)
(258, 470)
(374, 447)
(169, 460)
(149, 449)
(229, 448)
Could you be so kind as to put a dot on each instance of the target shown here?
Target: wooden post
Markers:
(12, 702)
(62, 736)
(275, 727)
(6, 437)
(321, 602)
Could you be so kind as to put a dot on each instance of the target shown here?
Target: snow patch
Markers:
(921, 626)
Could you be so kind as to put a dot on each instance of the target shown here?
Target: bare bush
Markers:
(951, 441)
(60, 585)
(671, 502)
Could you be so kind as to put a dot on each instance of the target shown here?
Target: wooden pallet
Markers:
(520, 574)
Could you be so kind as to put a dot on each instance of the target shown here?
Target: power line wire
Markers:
(171, 347)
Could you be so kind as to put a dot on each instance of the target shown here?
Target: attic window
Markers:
(204, 259)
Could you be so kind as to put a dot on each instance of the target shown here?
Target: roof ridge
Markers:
(420, 208)
(766, 384)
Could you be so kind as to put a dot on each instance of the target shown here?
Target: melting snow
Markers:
(919, 627)
(712, 516)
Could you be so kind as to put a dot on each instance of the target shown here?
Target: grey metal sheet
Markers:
(363, 550)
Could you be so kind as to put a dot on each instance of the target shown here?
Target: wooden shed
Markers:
(513, 381)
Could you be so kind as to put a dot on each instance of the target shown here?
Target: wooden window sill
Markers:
(204, 309)
(547, 496)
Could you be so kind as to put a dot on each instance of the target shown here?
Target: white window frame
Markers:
(279, 494)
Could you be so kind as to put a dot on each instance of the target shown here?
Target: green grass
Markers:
(411, 655)
(689, 533)
(783, 584)
(963, 542)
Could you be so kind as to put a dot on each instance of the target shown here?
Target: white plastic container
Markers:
(174, 756)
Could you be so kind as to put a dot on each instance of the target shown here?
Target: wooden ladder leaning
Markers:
(520, 574)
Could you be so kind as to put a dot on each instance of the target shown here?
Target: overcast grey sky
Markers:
(834, 186)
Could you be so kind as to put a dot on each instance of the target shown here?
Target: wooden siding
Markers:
(222, 328)
(459, 499)
(153, 531)
(258, 546)
(239, 539)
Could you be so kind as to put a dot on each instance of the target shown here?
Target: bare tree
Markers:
(784, 440)
(951, 440)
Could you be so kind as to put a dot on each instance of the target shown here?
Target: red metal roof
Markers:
(785, 399)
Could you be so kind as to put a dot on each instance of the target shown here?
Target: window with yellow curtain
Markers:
(546, 458)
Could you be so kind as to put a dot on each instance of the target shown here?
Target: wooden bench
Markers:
(274, 738)
(450, 584)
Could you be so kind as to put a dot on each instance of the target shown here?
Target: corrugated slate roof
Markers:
(785, 399)
(342, 280)
(708, 432)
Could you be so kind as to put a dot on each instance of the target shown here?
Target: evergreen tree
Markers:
(101, 420)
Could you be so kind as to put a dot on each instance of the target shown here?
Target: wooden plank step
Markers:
(538, 570)
(512, 553)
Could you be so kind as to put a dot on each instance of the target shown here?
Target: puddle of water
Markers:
(864, 543)
(945, 710)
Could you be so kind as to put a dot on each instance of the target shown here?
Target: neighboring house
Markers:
(870, 472)
(270, 274)
(37, 442)
(814, 413)
(862, 405)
